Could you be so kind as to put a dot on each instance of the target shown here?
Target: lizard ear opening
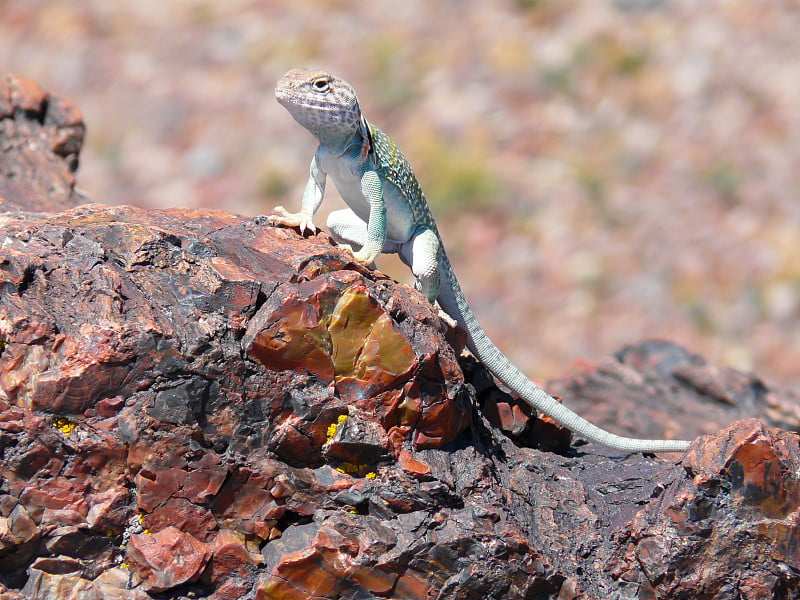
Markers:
(366, 132)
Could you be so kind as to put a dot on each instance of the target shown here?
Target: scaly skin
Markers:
(389, 213)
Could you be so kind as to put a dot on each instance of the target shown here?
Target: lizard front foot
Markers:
(359, 256)
(281, 216)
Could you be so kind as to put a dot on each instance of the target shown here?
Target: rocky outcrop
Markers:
(196, 404)
(41, 134)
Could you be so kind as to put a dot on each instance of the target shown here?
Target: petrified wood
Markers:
(194, 404)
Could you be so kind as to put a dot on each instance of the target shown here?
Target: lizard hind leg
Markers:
(350, 231)
(346, 228)
(424, 262)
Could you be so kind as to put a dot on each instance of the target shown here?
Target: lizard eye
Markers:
(322, 84)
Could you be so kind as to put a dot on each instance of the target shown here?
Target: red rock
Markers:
(245, 502)
(204, 478)
(231, 568)
(291, 337)
(164, 484)
(57, 493)
(508, 417)
(109, 407)
(109, 509)
(44, 585)
(115, 584)
(167, 559)
(53, 586)
(19, 536)
(413, 466)
(6, 108)
(186, 516)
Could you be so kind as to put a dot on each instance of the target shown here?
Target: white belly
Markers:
(399, 219)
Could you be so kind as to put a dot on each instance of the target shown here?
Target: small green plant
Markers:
(463, 177)
(725, 178)
(273, 184)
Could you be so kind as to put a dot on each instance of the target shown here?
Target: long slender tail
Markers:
(452, 300)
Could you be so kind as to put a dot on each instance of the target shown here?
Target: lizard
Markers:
(388, 213)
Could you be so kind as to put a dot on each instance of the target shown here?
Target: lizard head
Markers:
(319, 101)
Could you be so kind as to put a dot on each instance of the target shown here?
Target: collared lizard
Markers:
(388, 213)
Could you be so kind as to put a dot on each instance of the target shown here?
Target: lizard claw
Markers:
(281, 216)
(363, 258)
(359, 257)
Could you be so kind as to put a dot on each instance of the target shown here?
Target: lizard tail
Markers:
(452, 300)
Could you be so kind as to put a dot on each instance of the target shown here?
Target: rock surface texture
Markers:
(194, 404)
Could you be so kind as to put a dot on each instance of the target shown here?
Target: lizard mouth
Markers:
(289, 101)
(316, 113)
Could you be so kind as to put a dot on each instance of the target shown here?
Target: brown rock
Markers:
(167, 559)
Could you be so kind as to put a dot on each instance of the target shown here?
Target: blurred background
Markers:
(602, 171)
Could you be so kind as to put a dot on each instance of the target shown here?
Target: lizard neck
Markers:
(339, 141)
(351, 142)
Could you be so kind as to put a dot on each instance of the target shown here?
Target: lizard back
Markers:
(393, 166)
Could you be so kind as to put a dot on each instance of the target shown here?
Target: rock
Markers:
(738, 498)
(655, 389)
(167, 559)
(196, 404)
(112, 585)
(41, 135)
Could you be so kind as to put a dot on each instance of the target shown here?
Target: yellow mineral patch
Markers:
(366, 344)
(385, 351)
(64, 425)
(349, 327)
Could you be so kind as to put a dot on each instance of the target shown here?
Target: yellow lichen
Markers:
(347, 467)
(332, 427)
(64, 425)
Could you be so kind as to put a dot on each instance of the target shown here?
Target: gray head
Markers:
(319, 101)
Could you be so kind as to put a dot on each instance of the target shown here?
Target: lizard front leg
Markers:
(372, 190)
(312, 199)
